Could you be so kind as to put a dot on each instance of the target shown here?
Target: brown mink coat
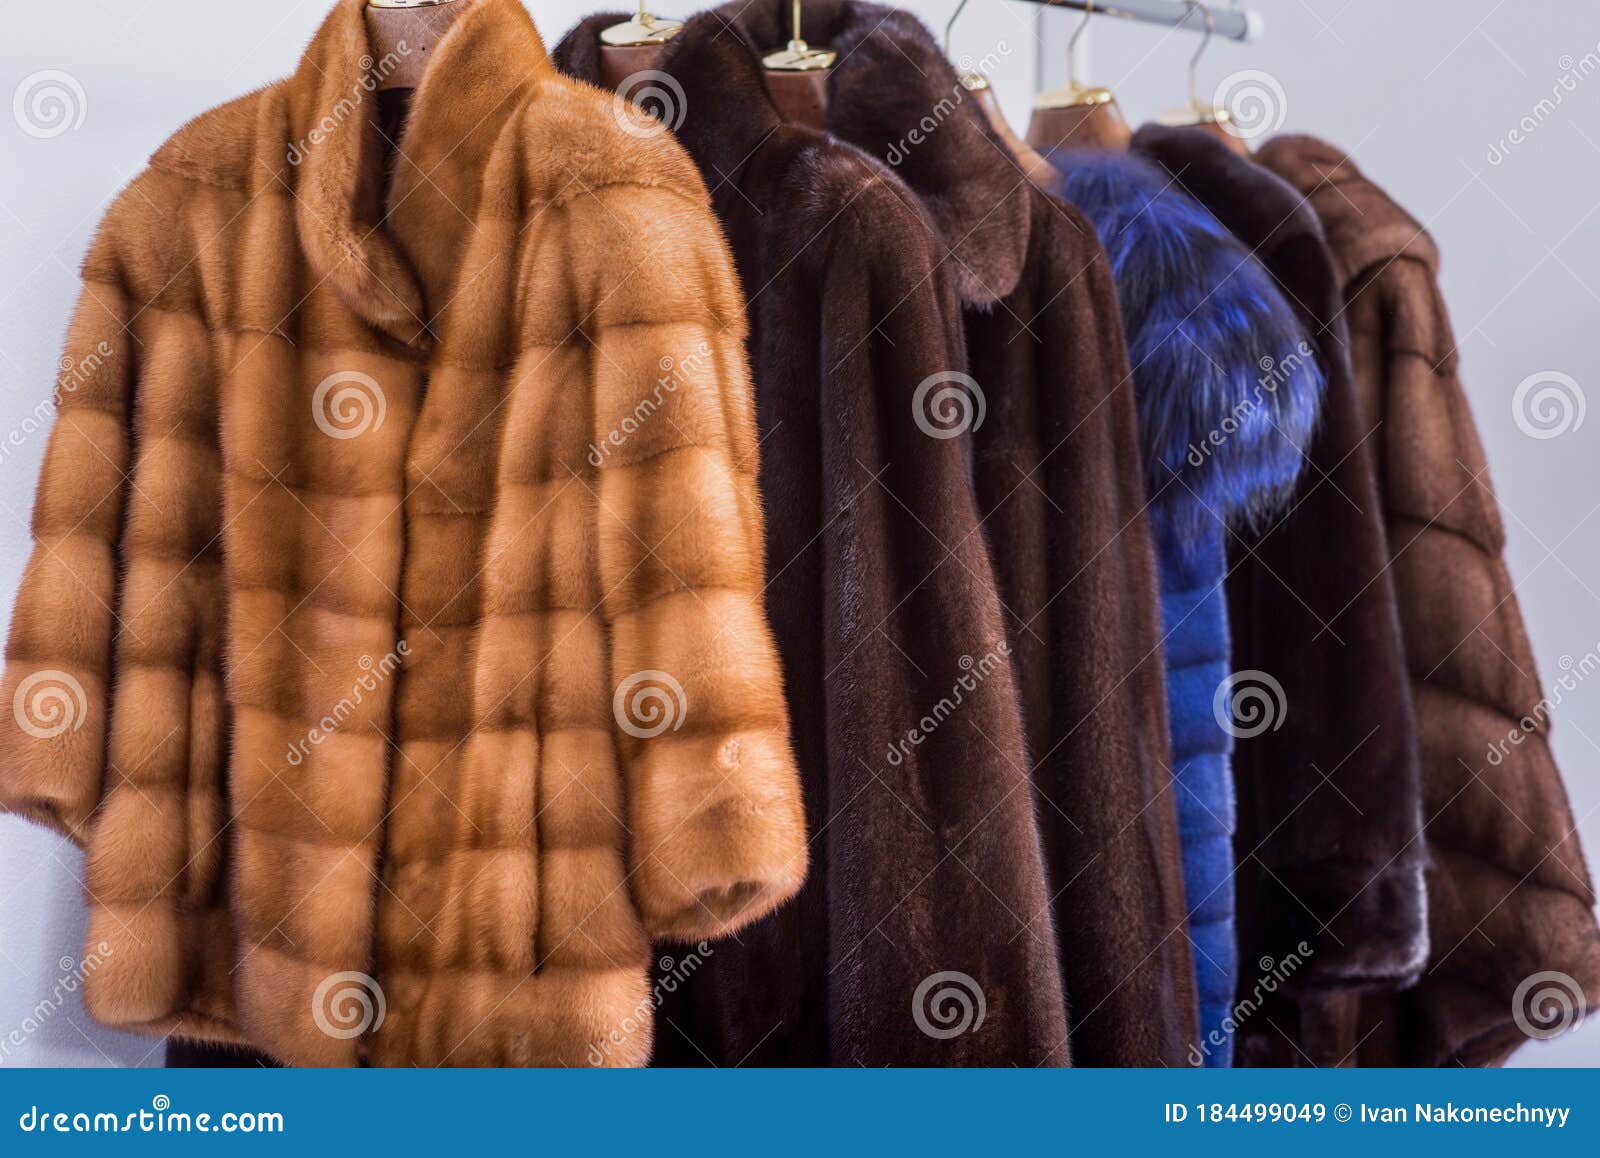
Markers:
(394, 640)
(1061, 494)
(924, 935)
(1508, 893)
(1329, 847)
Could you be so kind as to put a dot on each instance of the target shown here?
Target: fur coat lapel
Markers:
(1508, 892)
(1330, 801)
(1076, 575)
(929, 896)
(393, 576)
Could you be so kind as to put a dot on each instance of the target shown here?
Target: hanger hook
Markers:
(1194, 61)
(1072, 44)
(950, 25)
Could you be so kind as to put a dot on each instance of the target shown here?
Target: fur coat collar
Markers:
(392, 576)
(1508, 892)
(924, 936)
(1331, 798)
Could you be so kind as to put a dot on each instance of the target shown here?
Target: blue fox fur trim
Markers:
(1226, 377)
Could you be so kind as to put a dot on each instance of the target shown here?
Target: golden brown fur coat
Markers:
(395, 618)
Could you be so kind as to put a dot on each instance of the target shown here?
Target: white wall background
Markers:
(1420, 92)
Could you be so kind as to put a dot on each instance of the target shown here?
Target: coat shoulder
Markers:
(218, 146)
(576, 140)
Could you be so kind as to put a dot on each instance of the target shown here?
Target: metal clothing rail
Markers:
(1230, 23)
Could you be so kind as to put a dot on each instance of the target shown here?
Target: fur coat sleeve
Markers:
(1509, 895)
(1330, 799)
(114, 630)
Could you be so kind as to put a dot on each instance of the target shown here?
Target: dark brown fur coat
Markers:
(1508, 893)
(928, 888)
(1061, 495)
(1329, 845)
(338, 646)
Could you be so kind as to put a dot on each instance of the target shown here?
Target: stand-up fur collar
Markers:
(1364, 226)
(1228, 389)
(892, 94)
(392, 260)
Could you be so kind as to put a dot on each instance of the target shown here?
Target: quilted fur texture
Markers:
(1060, 493)
(1223, 445)
(1330, 830)
(927, 858)
(1509, 894)
(350, 703)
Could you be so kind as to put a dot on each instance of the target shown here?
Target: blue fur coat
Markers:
(1228, 393)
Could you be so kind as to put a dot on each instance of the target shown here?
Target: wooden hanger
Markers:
(1034, 166)
(1210, 118)
(1078, 116)
(797, 77)
(633, 46)
(403, 34)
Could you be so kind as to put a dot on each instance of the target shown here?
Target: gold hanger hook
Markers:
(1194, 61)
(1072, 44)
